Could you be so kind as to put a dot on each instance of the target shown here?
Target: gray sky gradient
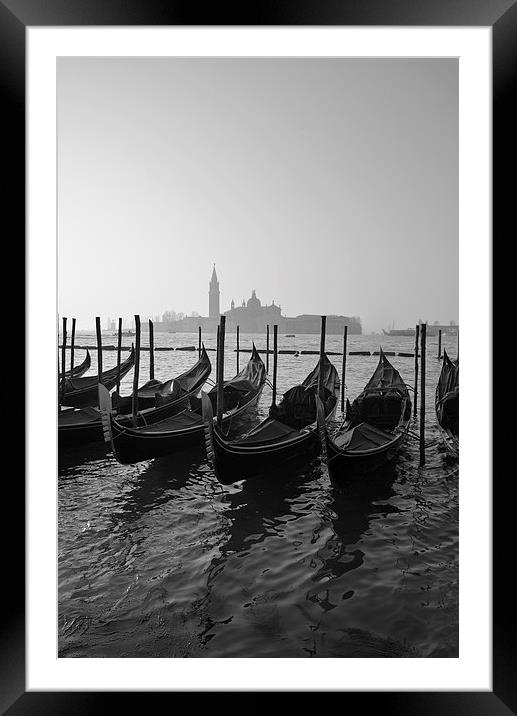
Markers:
(328, 185)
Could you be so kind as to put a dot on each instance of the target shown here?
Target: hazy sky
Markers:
(328, 185)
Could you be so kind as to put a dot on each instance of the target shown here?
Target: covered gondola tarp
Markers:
(249, 380)
(297, 409)
(185, 383)
(379, 403)
(447, 395)
(298, 405)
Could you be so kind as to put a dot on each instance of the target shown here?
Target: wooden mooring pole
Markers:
(275, 360)
(237, 349)
(423, 331)
(199, 342)
(72, 345)
(322, 353)
(119, 352)
(220, 382)
(267, 348)
(217, 357)
(99, 347)
(439, 344)
(136, 372)
(63, 363)
(343, 369)
(415, 382)
(151, 350)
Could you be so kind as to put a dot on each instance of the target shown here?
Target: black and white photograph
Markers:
(258, 357)
(253, 242)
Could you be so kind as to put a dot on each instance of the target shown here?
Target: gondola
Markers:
(374, 428)
(155, 393)
(447, 403)
(83, 425)
(82, 392)
(185, 429)
(80, 369)
(289, 432)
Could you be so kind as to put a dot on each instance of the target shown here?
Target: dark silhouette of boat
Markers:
(399, 332)
(431, 331)
(131, 444)
(374, 428)
(83, 425)
(289, 432)
(127, 332)
(447, 403)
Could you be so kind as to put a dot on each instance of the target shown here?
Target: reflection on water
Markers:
(160, 560)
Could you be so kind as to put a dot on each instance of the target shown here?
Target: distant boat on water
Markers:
(399, 332)
(127, 332)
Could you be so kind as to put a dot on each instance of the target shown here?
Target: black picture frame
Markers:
(15, 17)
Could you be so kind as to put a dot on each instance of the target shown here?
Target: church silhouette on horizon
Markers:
(253, 317)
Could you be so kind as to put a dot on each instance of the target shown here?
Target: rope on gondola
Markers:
(413, 435)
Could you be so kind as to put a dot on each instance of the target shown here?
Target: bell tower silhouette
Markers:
(213, 296)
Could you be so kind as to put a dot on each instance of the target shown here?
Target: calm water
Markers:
(160, 560)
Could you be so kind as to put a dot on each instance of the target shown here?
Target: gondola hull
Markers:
(185, 430)
(284, 440)
(374, 429)
(451, 441)
(80, 369)
(131, 445)
(80, 433)
(233, 463)
(349, 467)
(447, 404)
(81, 426)
(89, 430)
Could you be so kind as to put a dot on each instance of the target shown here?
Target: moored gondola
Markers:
(82, 425)
(155, 393)
(288, 433)
(447, 403)
(82, 392)
(80, 369)
(183, 430)
(374, 428)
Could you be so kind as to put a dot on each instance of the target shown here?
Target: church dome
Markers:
(253, 302)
